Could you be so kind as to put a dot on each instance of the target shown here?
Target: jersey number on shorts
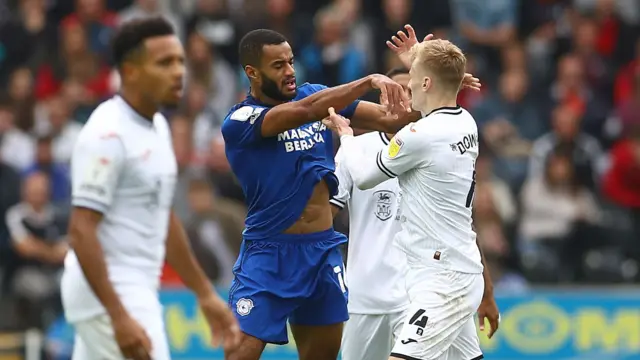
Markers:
(420, 320)
(472, 189)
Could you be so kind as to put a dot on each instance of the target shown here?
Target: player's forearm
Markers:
(371, 116)
(338, 97)
(486, 275)
(181, 258)
(362, 166)
(312, 108)
(85, 244)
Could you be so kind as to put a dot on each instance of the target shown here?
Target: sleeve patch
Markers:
(394, 147)
(246, 113)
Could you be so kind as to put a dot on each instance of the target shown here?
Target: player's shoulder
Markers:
(244, 112)
(307, 89)
(105, 125)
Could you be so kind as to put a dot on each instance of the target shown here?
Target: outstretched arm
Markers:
(296, 113)
(372, 116)
(180, 256)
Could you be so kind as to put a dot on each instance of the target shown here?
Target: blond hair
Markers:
(443, 60)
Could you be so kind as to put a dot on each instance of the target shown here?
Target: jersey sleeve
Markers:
(243, 125)
(346, 112)
(96, 166)
(345, 183)
(404, 152)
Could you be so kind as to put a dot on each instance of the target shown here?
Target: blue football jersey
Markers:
(278, 174)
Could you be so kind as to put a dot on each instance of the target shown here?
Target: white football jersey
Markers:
(123, 166)
(434, 161)
(375, 269)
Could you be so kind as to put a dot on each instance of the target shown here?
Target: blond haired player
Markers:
(376, 269)
(434, 161)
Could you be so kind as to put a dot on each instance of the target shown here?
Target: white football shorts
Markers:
(440, 322)
(95, 338)
(370, 337)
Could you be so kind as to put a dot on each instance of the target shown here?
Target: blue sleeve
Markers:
(243, 125)
(346, 112)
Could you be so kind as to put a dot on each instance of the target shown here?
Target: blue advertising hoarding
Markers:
(558, 325)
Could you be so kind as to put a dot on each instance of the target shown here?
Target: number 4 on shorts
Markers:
(420, 320)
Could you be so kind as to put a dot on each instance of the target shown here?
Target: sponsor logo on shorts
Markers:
(244, 306)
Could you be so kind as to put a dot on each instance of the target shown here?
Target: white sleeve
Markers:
(403, 153)
(96, 165)
(345, 183)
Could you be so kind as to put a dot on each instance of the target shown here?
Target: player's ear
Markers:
(426, 83)
(130, 71)
(251, 72)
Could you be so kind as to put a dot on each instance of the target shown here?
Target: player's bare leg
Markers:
(250, 348)
(318, 342)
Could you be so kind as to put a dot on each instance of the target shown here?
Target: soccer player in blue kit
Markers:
(290, 267)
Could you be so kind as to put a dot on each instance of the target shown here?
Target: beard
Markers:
(270, 88)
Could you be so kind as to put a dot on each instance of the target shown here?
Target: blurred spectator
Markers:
(9, 196)
(212, 21)
(330, 59)
(36, 231)
(78, 64)
(96, 22)
(223, 180)
(26, 39)
(56, 121)
(585, 47)
(58, 174)
(493, 240)
(215, 231)
(182, 138)
(571, 89)
(21, 95)
(500, 194)
(395, 14)
(150, 8)
(208, 69)
(509, 121)
(558, 218)
(587, 156)
(626, 78)
(17, 149)
(484, 27)
(622, 182)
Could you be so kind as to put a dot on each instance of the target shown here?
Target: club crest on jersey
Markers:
(394, 146)
(384, 204)
(244, 306)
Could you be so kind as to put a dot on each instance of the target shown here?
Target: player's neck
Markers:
(436, 102)
(135, 100)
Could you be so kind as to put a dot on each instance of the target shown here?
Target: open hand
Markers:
(224, 326)
(392, 95)
(488, 309)
(133, 341)
(471, 82)
(402, 43)
(337, 123)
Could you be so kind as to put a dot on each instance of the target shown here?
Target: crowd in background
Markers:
(558, 194)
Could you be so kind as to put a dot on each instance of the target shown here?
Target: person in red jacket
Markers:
(622, 182)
